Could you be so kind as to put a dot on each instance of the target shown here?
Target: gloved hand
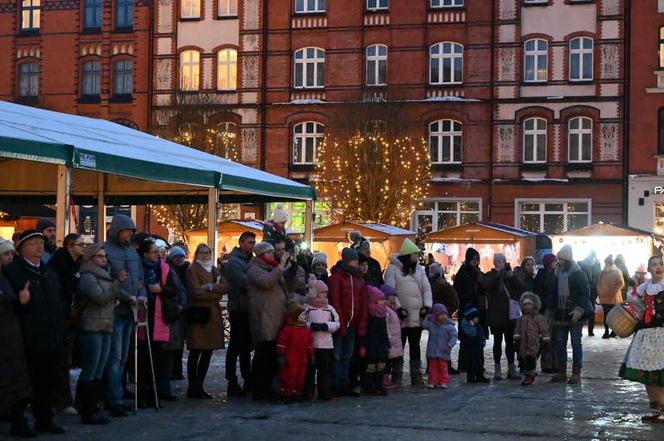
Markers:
(576, 315)
(362, 352)
(318, 327)
(207, 287)
(402, 313)
(424, 311)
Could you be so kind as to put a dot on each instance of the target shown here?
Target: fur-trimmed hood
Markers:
(533, 297)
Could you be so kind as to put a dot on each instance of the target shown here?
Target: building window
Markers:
(124, 13)
(309, 68)
(309, 6)
(534, 140)
(443, 214)
(661, 48)
(122, 77)
(190, 9)
(28, 79)
(307, 137)
(375, 5)
(535, 60)
(92, 19)
(446, 3)
(377, 65)
(580, 139)
(227, 8)
(190, 70)
(226, 140)
(227, 69)
(30, 13)
(445, 137)
(552, 216)
(581, 59)
(91, 78)
(446, 63)
(296, 212)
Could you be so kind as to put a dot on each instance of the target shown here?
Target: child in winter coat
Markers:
(531, 329)
(375, 345)
(442, 338)
(323, 321)
(474, 341)
(295, 346)
(392, 377)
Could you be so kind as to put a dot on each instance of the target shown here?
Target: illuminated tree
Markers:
(370, 168)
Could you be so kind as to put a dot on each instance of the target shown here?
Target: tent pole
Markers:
(213, 199)
(62, 203)
(308, 223)
(101, 207)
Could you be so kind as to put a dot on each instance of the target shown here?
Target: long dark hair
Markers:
(407, 265)
(69, 240)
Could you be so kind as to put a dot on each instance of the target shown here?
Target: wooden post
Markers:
(309, 223)
(213, 200)
(101, 207)
(62, 203)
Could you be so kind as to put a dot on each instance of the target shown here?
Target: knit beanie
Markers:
(548, 260)
(471, 253)
(348, 255)
(408, 247)
(374, 294)
(566, 253)
(435, 271)
(262, 248)
(26, 235)
(175, 252)
(91, 251)
(388, 290)
(44, 223)
(471, 313)
(439, 308)
(319, 258)
(6, 245)
(280, 215)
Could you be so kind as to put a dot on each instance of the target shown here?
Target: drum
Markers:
(621, 321)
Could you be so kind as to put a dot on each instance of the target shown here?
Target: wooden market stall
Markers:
(385, 239)
(449, 246)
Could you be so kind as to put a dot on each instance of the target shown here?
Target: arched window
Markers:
(535, 60)
(190, 9)
(307, 137)
(309, 6)
(445, 141)
(122, 77)
(226, 141)
(376, 5)
(581, 59)
(309, 68)
(446, 63)
(190, 70)
(534, 140)
(91, 78)
(28, 79)
(376, 65)
(227, 69)
(580, 135)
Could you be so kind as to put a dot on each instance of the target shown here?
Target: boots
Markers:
(378, 379)
(369, 383)
(512, 373)
(88, 404)
(416, 373)
(234, 389)
(576, 376)
(397, 372)
(561, 376)
(497, 372)
(528, 379)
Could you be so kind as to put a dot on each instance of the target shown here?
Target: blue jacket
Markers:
(472, 332)
(122, 256)
(442, 338)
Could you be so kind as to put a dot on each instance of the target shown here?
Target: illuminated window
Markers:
(441, 214)
(661, 48)
(535, 60)
(227, 8)
(227, 69)
(552, 216)
(227, 140)
(190, 9)
(190, 70)
(30, 14)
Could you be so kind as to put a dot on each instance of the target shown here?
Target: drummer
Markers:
(644, 360)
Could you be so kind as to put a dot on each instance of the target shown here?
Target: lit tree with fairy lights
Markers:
(370, 169)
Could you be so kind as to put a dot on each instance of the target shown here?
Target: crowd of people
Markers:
(312, 332)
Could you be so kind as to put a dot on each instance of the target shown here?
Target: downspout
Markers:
(492, 103)
(151, 27)
(626, 104)
(263, 104)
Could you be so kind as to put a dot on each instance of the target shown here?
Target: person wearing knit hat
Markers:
(295, 346)
(393, 375)
(6, 252)
(474, 339)
(47, 228)
(566, 253)
(350, 257)
(375, 346)
(413, 289)
(262, 248)
(176, 252)
(442, 338)
(543, 287)
(319, 267)
(374, 275)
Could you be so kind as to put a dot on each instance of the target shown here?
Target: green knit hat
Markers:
(408, 247)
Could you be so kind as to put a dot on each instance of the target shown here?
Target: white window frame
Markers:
(434, 213)
(580, 132)
(373, 63)
(440, 58)
(543, 201)
(317, 63)
(190, 9)
(227, 8)
(536, 55)
(227, 69)
(581, 52)
(300, 141)
(445, 3)
(450, 135)
(303, 7)
(535, 132)
(28, 79)
(377, 5)
(189, 66)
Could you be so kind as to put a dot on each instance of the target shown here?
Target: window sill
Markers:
(377, 11)
(534, 166)
(447, 166)
(309, 14)
(227, 17)
(581, 82)
(302, 167)
(91, 31)
(89, 99)
(125, 98)
(534, 83)
(27, 100)
(190, 19)
(188, 92)
(577, 166)
(445, 8)
(226, 91)
(123, 30)
(28, 33)
(309, 89)
(529, 5)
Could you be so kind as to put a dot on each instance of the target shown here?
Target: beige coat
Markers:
(211, 334)
(610, 286)
(268, 300)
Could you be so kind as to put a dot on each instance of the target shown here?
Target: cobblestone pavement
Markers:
(604, 407)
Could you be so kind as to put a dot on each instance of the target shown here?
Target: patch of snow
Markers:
(451, 99)
(306, 101)
(454, 180)
(545, 180)
(388, 229)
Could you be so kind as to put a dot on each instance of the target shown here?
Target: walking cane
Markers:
(144, 324)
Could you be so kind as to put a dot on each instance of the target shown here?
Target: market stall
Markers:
(385, 239)
(449, 246)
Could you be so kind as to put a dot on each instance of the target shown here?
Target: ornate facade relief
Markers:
(609, 141)
(506, 143)
(249, 145)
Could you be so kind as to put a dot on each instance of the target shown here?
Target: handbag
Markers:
(197, 315)
(515, 310)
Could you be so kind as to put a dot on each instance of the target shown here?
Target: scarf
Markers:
(350, 270)
(150, 270)
(272, 262)
(318, 303)
(207, 266)
(563, 289)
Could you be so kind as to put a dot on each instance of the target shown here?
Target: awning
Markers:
(371, 231)
(602, 229)
(479, 232)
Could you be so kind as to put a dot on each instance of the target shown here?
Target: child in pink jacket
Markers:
(394, 365)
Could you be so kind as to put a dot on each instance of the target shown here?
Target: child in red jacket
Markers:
(295, 346)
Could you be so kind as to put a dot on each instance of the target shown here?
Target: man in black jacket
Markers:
(42, 324)
(374, 276)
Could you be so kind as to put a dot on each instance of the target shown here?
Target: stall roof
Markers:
(239, 226)
(95, 145)
(479, 232)
(602, 229)
(375, 231)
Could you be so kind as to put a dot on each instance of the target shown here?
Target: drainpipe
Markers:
(492, 103)
(151, 27)
(263, 104)
(626, 104)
